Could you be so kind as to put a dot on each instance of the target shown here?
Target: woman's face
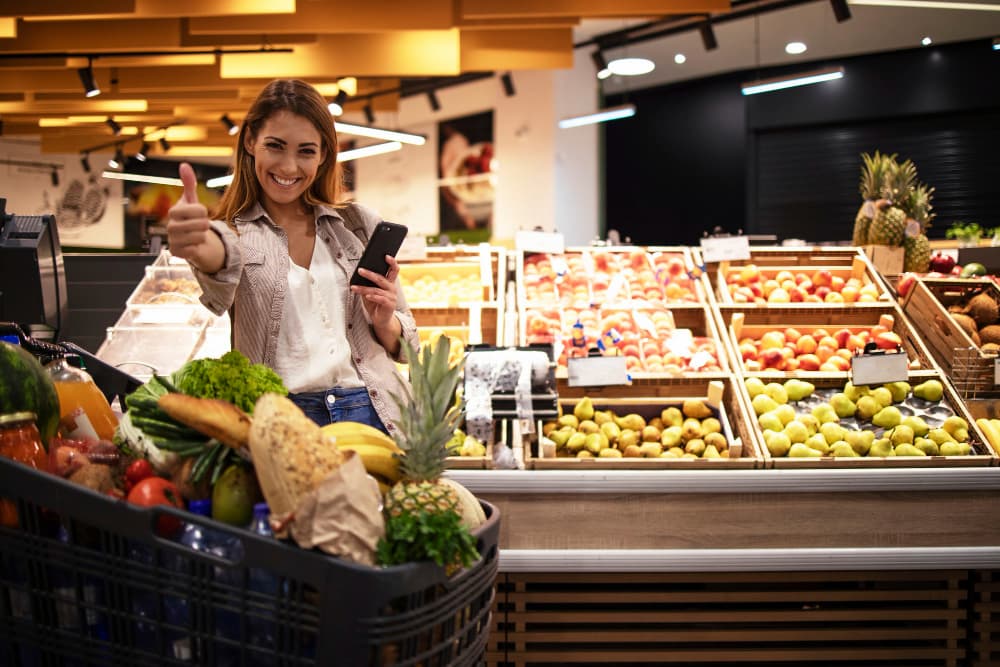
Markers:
(287, 152)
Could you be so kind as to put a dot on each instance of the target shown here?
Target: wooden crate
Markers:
(473, 325)
(484, 264)
(888, 260)
(982, 453)
(985, 644)
(971, 369)
(859, 268)
(901, 618)
(647, 398)
(739, 323)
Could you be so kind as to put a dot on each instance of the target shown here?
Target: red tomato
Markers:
(137, 471)
(154, 491)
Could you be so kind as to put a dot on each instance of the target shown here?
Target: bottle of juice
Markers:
(84, 412)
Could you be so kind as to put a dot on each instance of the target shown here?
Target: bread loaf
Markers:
(291, 455)
(211, 416)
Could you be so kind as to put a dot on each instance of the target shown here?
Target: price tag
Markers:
(725, 248)
(414, 248)
(877, 368)
(596, 371)
(531, 241)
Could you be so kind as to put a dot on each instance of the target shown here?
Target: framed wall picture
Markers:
(466, 177)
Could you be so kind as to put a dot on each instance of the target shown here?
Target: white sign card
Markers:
(871, 369)
(596, 371)
(725, 248)
(531, 241)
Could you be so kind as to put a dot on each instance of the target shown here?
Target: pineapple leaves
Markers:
(422, 536)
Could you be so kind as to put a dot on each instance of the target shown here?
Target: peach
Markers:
(809, 362)
(888, 340)
(749, 274)
(779, 295)
(821, 292)
(839, 363)
(805, 344)
(770, 285)
(841, 336)
(772, 358)
(828, 367)
(855, 342)
(792, 364)
(829, 341)
(748, 351)
(792, 334)
(845, 353)
(753, 365)
(850, 294)
(822, 278)
(772, 339)
(801, 278)
(833, 297)
(837, 283)
(798, 295)
(824, 352)
(784, 275)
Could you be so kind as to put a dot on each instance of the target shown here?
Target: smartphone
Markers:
(385, 240)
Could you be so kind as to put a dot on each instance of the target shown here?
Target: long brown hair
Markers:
(300, 98)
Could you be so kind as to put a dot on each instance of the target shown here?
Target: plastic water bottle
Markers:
(77, 598)
(146, 605)
(206, 540)
(264, 593)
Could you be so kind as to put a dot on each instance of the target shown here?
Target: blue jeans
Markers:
(338, 405)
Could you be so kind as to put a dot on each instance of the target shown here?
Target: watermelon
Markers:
(26, 386)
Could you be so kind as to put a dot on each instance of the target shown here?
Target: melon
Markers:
(26, 386)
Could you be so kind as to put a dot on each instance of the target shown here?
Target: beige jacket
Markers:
(255, 278)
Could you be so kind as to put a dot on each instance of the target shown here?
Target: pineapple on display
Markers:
(889, 224)
(423, 514)
(916, 246)
(873, 174)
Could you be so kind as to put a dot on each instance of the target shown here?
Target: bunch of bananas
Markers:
(376, 449)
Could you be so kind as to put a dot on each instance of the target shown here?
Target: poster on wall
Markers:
(87, 207)
(466, 177)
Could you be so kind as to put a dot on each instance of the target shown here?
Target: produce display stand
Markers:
(79, 565)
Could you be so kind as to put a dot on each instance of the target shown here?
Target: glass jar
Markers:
(20, 441)
(84, 412)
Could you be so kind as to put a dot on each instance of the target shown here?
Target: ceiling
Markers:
(174, 67)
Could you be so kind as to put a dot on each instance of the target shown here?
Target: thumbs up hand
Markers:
(189, 234)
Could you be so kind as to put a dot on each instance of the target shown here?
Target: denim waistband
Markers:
(337, 392)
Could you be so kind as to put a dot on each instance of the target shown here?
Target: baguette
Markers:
(291, 455)
(210, 416)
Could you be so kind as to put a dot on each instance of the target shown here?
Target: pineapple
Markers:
(873, 173)
(889, 224)
(423, 521)
(917, 249)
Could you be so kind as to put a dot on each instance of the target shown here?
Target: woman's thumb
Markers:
(190, 182)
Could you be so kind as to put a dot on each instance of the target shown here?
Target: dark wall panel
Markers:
(97, 287)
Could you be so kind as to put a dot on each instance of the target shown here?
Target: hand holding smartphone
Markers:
(385, 240)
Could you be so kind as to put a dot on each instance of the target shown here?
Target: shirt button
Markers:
(350, 326)
(339, 254)
(357, 360)
(374, 392)
(330, 399)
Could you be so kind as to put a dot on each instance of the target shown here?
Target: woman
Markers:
(279, 255)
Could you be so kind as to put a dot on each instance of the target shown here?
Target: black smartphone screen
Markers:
(385, 240)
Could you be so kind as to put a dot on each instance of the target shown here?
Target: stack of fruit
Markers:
(896, 209)
(449, 284)
(689, 430)
(753, 285)
(895, 419)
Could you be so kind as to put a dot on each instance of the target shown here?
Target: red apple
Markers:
(905, 284)
(941, 262)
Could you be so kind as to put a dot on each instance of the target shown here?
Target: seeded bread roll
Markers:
(290, 453)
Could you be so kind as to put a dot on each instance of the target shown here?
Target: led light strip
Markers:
(377, 133)
(804, 79)
(604, 115)
(142, 178)
(930, 4)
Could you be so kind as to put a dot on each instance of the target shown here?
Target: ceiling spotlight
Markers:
(119, 159)
(369, 113)
(113, 124)
(680, 58)
(604, 74)
(708, 36)
(926, 41)
(143, 152)
(795, 48)
(508, 84)
(85, 162)
(231, 127)
(631, 66)
(840, 10)
(90, 88)
(336, 107)
(600, 64)
(432, 98)
(164, 144)
(55, 178)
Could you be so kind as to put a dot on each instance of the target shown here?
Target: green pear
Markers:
(801, 450)
(595, 442)
(611, 431)
(930, 390)
(854, 392)
(588, 426)
(671, 436)
(584, 409)
(777, 392)
(956, 449)
(576, 442)
(711, 453)
(843, 406)
(777, 443)
(609, 453)
(881, 447)
(797, 389)
(919, 426)
(763, 403)
(940, 436)
(927, 446)
(786, 413)
(957, 428)
(717, 440)
(817, 442)
(882, 395)
(770, 420)
(867, 407)
(860, 441)
(842, 449)
(899, 390)
(832, 432)
(711, 425)
(888, 417)
(560, 436)
(901, 434)
(672, 416)
(568, 420)
(754, 387)
(603, 416)
(907, 449)
(796, 431)
(810, 421)
(824, 412)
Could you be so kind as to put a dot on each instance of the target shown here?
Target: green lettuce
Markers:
(231, 378)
